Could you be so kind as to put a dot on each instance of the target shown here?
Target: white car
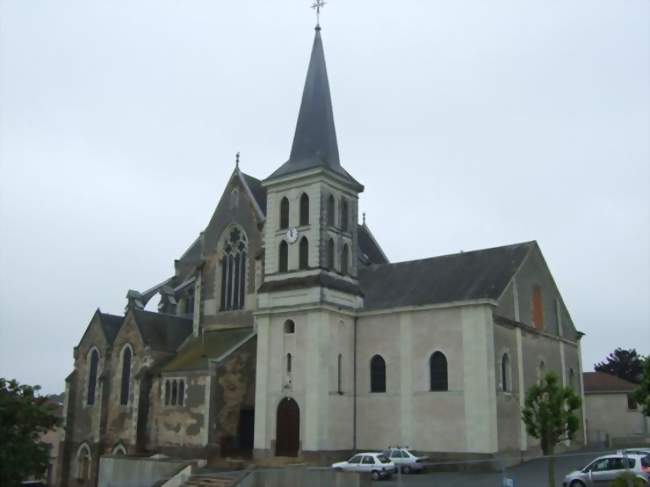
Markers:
(404, 459)
(604, 470)
(376, 464)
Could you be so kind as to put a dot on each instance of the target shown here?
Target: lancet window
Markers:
(233, 270)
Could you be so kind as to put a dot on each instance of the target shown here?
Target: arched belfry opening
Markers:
(287, 436)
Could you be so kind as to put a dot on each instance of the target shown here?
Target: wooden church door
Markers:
(287, 437)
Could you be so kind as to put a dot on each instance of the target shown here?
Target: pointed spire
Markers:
(314, 142)
(315, 139)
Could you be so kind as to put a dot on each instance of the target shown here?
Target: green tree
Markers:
(626, 364)
(24, 417)
(550, 415)
(642, 394)
(627, 479)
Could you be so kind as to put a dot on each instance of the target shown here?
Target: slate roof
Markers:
(371, 252)
(314, 142)
(111, 325)
(259, 191)
(213, 345)
(602, 382)
(162, 332)
(448, 278)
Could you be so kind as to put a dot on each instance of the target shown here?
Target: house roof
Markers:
(479, 274)
(212, 345)
(161, 331)
(602, 382)
(111, 325)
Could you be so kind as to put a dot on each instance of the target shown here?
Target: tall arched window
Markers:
(126, 375)
(83, 463)
(538, 308)
(304, 209)
(284, 213)
(339, 373)
(304, 253)
(92, 377)
(330, 210)
(330, 254)
(289, 363)
(572, 379)
(233, 270)
(438, 372)
(345, 216)
(505, 373)
(345, 260)
(377, 374)
(283, 257)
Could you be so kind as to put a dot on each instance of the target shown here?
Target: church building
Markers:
(285, 331)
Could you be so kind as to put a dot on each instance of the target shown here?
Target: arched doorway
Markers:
(287, 437)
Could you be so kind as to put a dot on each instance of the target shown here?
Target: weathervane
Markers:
(318, 4)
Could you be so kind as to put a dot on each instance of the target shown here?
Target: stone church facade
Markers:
(286, 331)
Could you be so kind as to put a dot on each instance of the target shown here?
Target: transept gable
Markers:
(242, 203)
(536, 288)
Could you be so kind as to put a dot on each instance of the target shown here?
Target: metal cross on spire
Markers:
(318, 4)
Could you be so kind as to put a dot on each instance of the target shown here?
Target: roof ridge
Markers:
(520, 244)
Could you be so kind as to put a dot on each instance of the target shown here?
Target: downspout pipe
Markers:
(354, 389)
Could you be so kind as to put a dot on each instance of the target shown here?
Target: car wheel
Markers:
(577, 483)
(375, 475)
(406, 469)
(338, 469)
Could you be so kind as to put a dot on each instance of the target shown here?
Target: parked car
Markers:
(605, 469)
(634, 451)
(404, 459)
(376, 464)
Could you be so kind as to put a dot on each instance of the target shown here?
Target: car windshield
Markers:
(383, 459)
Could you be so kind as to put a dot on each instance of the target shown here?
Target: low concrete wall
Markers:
(304, 477)
(121, 471)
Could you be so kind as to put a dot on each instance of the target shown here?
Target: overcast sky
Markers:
(471, 123)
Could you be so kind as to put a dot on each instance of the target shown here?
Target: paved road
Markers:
(529, 474)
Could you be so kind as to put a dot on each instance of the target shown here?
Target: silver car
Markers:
(603, 470)
(404, 459)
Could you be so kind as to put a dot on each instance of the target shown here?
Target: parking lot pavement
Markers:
(529, 474)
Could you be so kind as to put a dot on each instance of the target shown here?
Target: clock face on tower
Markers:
(292, 235)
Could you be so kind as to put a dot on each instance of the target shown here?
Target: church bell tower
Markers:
(310, 294)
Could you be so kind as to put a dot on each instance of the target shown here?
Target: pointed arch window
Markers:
(377, 374)
(330, 254)
(304, 253)
(438, 372)
(84, 458)
(283, 257)
(505, 373)
(345, 260)
(304, 209)
(284, 213)
(125, 388)
(345, 215)
(92, 377)
(233, 270)
(330, 210)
